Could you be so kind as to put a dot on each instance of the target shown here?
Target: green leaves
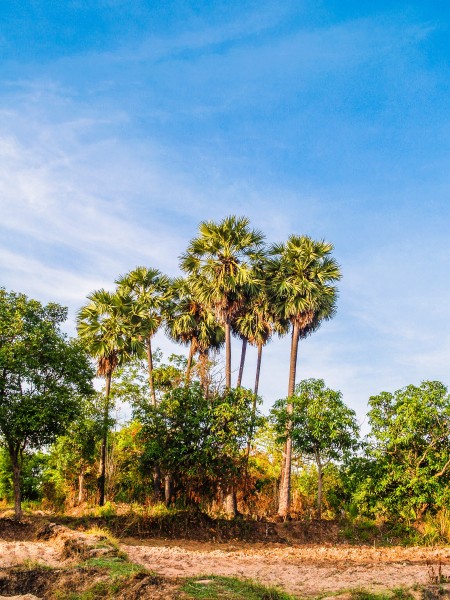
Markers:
(302, 275)
(410, 447)
(221, 261)
(42, 373)
(321, 426)
(195, 439)
(110, 327)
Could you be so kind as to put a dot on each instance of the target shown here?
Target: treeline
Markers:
(196, 437)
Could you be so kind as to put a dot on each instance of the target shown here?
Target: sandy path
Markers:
(310, 570)
(14, 553)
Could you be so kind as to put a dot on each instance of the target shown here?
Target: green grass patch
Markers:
(118, 571)
(397, 594)
(117, 567)
(230, 588)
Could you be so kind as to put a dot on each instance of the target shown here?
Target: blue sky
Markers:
(124, 124)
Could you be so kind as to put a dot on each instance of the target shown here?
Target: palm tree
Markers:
(190, 322)
(257, 323)
(219, 261)
(107, 325)
(301, 274)
(148, 288)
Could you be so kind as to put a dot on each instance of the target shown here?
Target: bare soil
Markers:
(303, 569)
(309, 570)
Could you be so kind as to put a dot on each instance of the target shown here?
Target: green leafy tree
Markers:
(73, 456)
(43, 374)
(32, 480)
(198, 440)
(321, 426)
(109, 327)
(302, 274)
(409, 450)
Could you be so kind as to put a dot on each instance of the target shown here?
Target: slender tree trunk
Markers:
(81, 486)
(255, 397)
(241, 365)
(230, 500)
(227, 352)
(102, 478)
(189, 364)
(258, 371)
(167, 490)
(203, 360)
(253, 416)
(231, 504)
(319, 486)
(150, 371)
(14, 454)
(285, 485)
(156, 469)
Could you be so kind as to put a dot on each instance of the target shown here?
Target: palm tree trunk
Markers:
(150, 371)
(227, 352)
(102, 478)
(285, 485)
(230, 500)
(189, 364)
(156, 469)
(241, 365)
(203, 360)
(255, 397)
(253, 415)
(258, 369)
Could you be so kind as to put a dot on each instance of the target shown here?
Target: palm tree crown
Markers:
(148, 289)
(220, 263)
(108, 326)
(302, 275)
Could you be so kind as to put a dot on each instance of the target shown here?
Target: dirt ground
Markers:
(302, 569)
(310, 570)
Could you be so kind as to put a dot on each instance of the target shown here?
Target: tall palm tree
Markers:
(244, 308)
(257, 323)
(219, 261)
(148, 288)
(189, 322)
(108, 327)
(302, 274)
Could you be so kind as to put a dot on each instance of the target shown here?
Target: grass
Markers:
(105, 535)
(230, 588)
(117, 567)
(32, 565)
(396, 594)
(118, 570)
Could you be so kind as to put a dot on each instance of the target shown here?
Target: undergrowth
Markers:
(230, 588)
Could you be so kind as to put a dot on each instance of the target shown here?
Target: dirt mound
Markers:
(76, 544)
(47, 584)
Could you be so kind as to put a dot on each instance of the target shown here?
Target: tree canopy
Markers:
(42, 376)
